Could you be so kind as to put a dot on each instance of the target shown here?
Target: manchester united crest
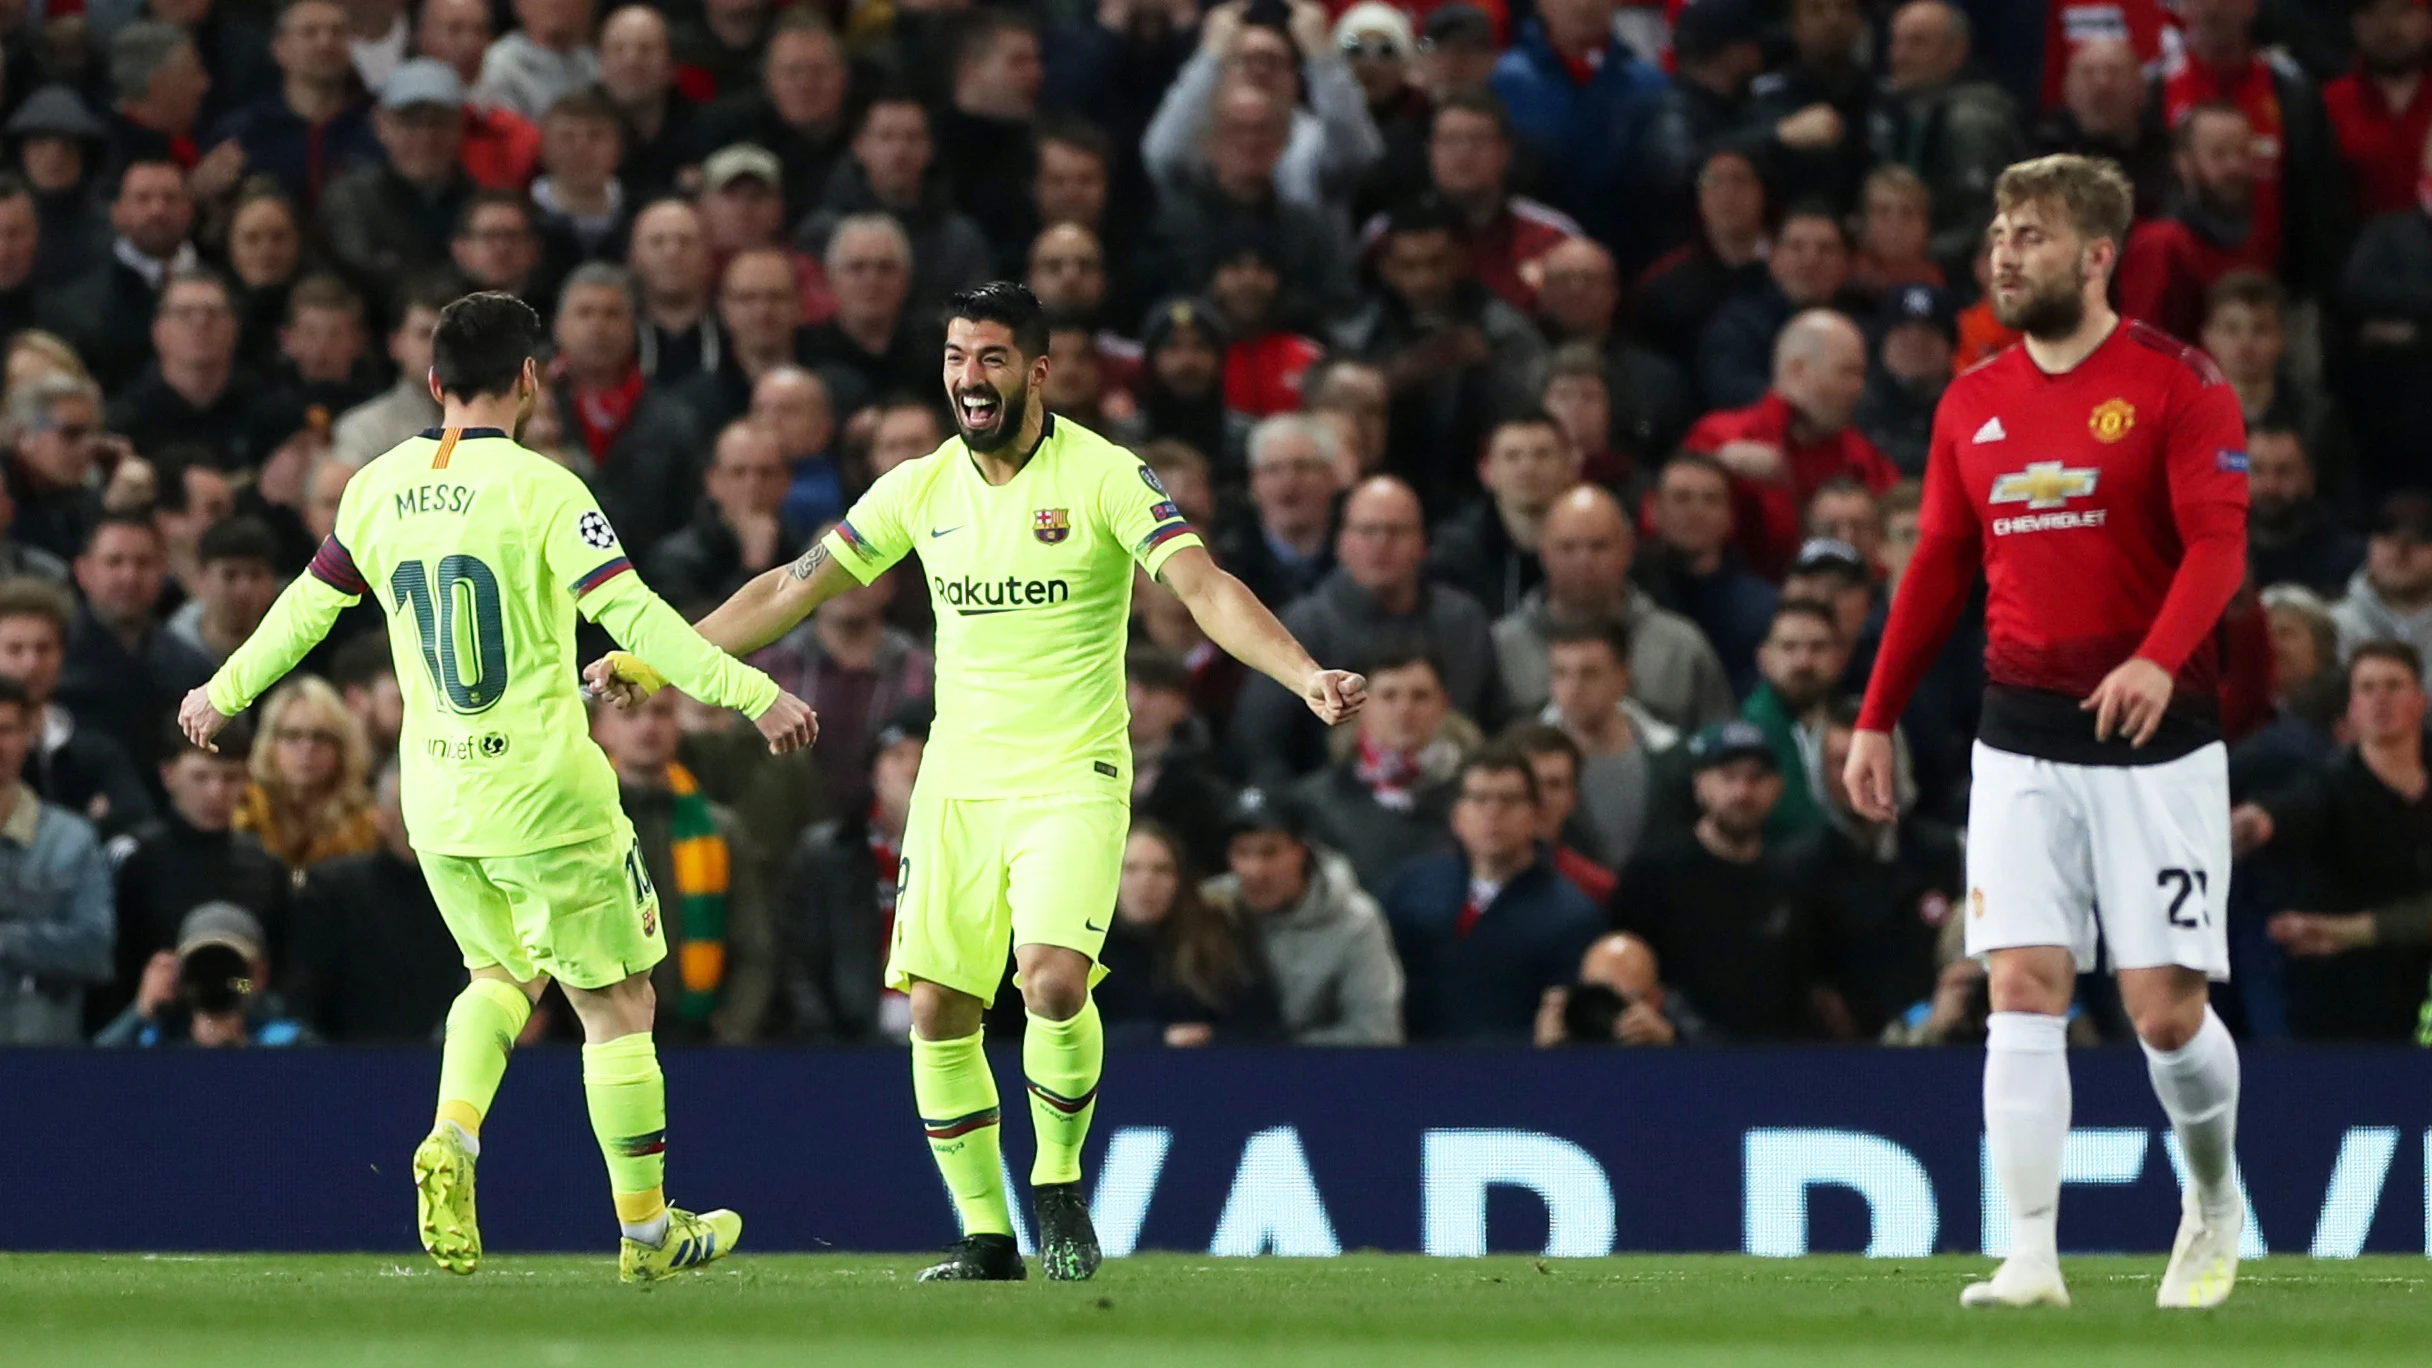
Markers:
(1050, 525)
(2111, 420)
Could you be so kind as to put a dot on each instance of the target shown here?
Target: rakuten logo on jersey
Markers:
(974, 597)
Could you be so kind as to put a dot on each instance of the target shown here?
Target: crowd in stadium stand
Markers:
(1568, 369)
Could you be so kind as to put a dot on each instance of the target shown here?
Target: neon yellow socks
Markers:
(1062, 1060)
(958, 1108)
(628, 1101)
(482, 1026)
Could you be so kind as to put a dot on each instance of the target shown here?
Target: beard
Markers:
(1011, 409)
(2047, 312)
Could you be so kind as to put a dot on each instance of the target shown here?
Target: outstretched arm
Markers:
(1235, 620)
(774, 601)
(303, 615)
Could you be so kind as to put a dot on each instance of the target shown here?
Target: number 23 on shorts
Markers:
(2177, 885)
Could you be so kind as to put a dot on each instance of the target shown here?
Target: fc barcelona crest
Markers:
(1050, 525)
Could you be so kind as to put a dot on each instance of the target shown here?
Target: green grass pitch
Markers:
(371, 1311)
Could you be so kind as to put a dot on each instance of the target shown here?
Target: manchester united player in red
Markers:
(2097, 471)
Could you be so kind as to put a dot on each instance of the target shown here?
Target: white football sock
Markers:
(2198, 1086)
(652, 1232)
(2026, 1123)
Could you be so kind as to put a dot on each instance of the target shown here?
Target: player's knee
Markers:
(2170, 1025)
(1057, 994)
(2023, 981)
(941, 1013)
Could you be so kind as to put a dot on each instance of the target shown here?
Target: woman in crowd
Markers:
(311, 796)
(1178, 970)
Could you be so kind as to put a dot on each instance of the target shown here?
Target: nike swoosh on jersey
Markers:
(1094, 928)
(941, 531)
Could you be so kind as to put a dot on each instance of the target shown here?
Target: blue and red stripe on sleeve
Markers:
(606, 572)
(334, 566)
(1160, 535)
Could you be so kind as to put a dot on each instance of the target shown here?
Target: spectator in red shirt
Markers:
(1469, 161)
(2381, 111)
(2301, 200)
(1786, 444)
(2214, 226)
(1265, 362)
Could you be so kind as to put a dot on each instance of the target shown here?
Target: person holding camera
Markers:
(1618, 1000)
(208, 992)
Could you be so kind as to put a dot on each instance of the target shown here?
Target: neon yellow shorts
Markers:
(981, 875)
(583, 914)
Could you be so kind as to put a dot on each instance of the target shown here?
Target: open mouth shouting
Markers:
(981, 413)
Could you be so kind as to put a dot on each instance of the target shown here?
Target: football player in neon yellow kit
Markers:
(1028, 527)
(480, 552)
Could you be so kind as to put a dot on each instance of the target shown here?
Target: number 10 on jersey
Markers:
(462, 626)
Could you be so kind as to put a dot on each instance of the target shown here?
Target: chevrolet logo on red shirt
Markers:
(2045, 484)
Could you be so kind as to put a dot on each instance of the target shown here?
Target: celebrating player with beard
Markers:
(2097, 471)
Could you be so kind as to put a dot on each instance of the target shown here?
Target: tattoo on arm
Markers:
(810, 562)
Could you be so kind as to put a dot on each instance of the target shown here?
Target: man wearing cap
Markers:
(1832, 571)
(1801, 662)
(2390, 596)
(1335, 971)
(56, 885)
(210, 992)
(1266, 360)
(396, 216)
(1483, 931)
(1718, 907)
(1181, 390)
(61, 143)
(501, 147)
(1780, 448)
(837, 918)
(1917, 333)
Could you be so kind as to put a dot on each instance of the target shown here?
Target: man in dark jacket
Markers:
(737, 530)
(1585, 129)
(644, 442)
(834, 919)
(1489, 549)
(109, 313)
(797, 111)
(1824, 74)
(889, 172)
(124, 670)
(315, 125)
(187, 855)
(2387, 292)
(371, 961)
(1377, 593)
(387, 220)
(1483, 932)
(78, 768)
